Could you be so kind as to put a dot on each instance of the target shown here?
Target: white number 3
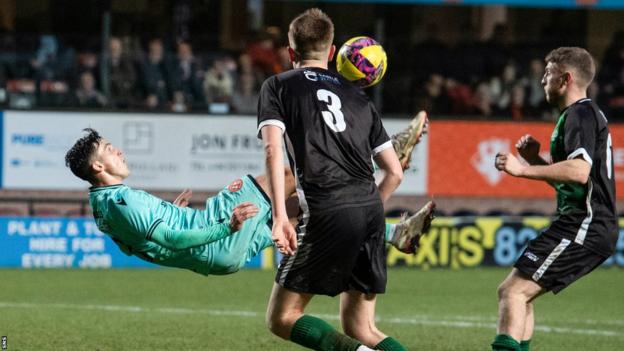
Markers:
(334, 117)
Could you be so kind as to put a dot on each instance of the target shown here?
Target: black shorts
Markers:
(554, 262)
(339, 250)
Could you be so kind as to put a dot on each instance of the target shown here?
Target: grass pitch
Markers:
(166, 309)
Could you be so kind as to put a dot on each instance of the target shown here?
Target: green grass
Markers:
(167, 309)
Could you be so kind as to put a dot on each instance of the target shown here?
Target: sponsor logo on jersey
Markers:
(315, 77)
(531, 256)
(235, 185)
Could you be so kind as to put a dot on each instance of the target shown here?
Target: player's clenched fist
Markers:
(241, 213)
(508, 163)
(528, 147)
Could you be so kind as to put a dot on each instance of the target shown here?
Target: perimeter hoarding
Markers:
(166, 152)
(455, 243)
(471, 242)
(461, 158)
(37, 242)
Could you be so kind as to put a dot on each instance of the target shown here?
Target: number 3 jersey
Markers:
(331, 129)
(586, 213)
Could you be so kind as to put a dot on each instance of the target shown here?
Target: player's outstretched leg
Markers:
(405, 140)
(406, 234)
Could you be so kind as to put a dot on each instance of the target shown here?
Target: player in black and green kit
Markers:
(220, 239)
(585, 231)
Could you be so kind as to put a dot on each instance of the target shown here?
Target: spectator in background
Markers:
(535, 99)
(187, 74)
(246, 66)
(517, 108)
(245, 96)
(155, 76)
(86, 94)
(87, 62)
(501, 86)
(482, 100)
(52, 67)
(50, 62)
(218, 83)
(434, 98)
(264, 55)
(122, 75)
(460, 96)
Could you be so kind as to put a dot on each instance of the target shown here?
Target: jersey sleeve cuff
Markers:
(271, 122)
(382, 147)
(582, 152)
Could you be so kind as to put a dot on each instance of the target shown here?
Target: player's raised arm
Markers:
(183, 239)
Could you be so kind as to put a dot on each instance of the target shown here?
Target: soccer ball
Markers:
(362, 60)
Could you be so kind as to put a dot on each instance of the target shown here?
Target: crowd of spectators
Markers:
(494, 78)
(154, 79)
(483, 79)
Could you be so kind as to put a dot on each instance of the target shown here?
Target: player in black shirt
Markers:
(330, 129)
(585, 231)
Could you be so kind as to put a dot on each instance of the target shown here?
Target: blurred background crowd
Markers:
(212, 56)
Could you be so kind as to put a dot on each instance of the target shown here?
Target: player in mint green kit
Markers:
(168, 235)
(234, 227)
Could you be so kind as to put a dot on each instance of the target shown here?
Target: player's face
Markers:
(112, 159)
(553, 82)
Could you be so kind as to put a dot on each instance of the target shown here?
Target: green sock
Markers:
(390, 344)
(316, 334)
(524, 345)
(389, 231)
(504, 342)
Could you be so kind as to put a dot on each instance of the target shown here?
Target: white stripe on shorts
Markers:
(551, 258)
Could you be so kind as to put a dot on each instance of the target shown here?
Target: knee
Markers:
(279, 324)
(507, 293)
(504, 292)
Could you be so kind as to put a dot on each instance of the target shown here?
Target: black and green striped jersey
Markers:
(586, 212)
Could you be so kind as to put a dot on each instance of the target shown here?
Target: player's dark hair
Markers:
(575, 58)
(80, 156)
(311, 34)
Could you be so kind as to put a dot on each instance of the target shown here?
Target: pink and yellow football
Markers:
(362, 60)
